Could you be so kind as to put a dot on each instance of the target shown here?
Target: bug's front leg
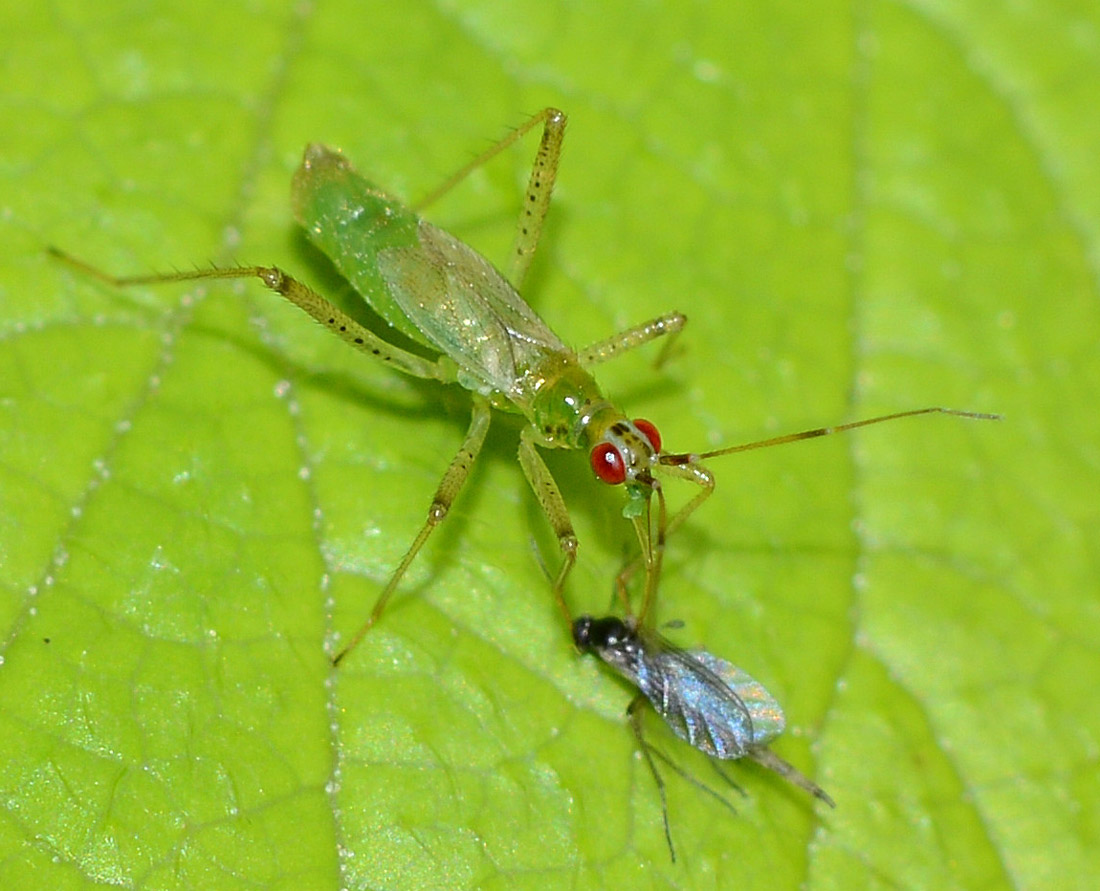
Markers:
(651, 555)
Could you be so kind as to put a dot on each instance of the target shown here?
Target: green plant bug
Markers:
(447, 298)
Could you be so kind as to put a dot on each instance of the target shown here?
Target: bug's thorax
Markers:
(569, 411)
(566, 399)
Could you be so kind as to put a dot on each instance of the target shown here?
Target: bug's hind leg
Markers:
(302, 296)
(540, 185)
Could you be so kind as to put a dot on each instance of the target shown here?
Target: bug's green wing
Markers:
(467, 309)
(425, 282)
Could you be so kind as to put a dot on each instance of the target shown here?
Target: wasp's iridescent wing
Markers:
(707, 701)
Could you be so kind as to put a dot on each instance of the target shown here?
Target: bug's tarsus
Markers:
(666, 349)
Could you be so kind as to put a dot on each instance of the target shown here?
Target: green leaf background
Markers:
(862, 207)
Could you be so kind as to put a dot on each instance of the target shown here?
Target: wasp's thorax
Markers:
(613, 640)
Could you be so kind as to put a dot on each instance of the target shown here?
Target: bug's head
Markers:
(600, 635)
(627, 452)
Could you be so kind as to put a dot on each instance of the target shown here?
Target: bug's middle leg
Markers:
(445, 495)
(553, 505)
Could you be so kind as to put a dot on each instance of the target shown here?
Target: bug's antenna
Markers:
(691, 457)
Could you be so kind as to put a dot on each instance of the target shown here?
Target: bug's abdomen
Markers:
(352, 222)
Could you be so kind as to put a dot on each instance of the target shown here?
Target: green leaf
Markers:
(861, 208)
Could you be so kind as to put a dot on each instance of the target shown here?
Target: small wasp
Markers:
(707, 701)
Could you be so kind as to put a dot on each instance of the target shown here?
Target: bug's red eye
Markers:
(649, 430)
(608, 463)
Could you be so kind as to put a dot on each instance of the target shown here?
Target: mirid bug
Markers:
(447, 298)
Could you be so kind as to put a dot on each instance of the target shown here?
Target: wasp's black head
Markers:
(600, 634)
